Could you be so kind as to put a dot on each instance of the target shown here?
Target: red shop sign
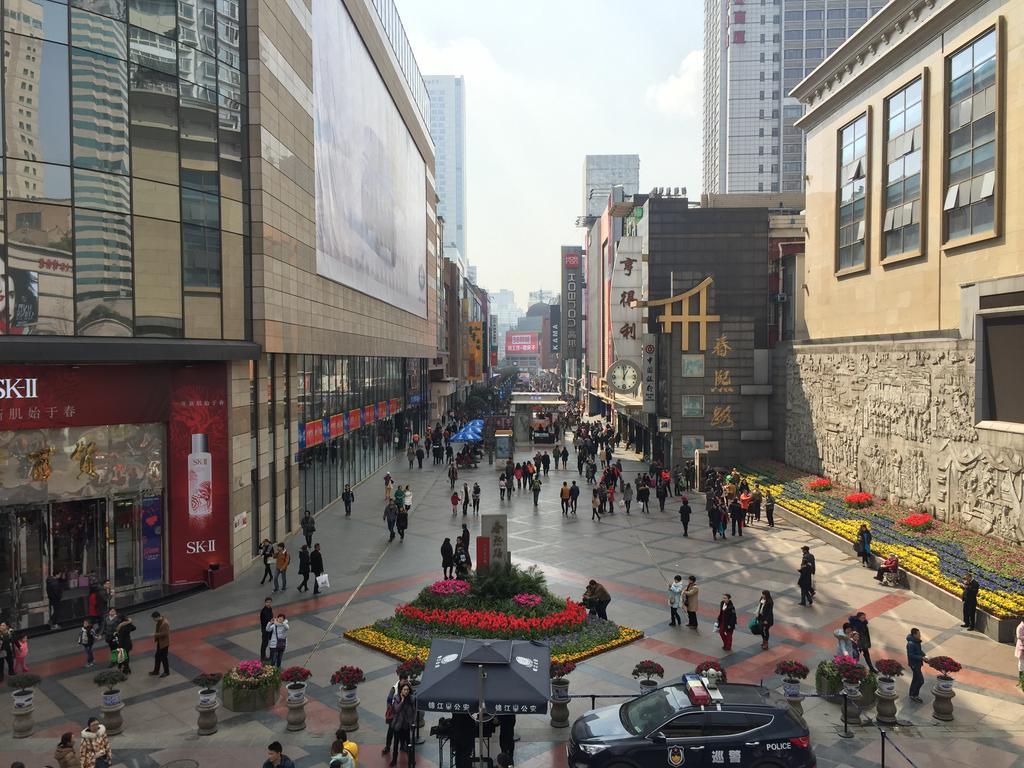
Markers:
(396, 406)
(353, 420)
(337, 424)
(382, 410)
(367, 414)
(314, 433)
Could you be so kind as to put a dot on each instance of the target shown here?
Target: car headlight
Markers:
(593, 749)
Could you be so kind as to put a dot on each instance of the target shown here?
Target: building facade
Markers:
(753, 56)
(912, 218)
(189, 361)
(601, 173)
(448, 130)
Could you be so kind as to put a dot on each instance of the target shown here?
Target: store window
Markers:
(972, 93)
(853, 178)
(1004, 368)
(904, 144)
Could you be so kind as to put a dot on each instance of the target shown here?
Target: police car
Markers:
(689, 726)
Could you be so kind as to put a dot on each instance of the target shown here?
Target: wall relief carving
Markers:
(898, 422)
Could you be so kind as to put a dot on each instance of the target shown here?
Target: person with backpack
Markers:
(86, 638)
(535, 487)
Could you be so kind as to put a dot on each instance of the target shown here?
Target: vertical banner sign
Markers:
(649, 372)
(152, 530)
(571, 308)
(474, 350)
(556, 329)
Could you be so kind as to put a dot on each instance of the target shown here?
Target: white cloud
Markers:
(680, 94)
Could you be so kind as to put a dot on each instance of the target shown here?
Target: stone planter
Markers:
(646, 686)
(112, 717)
(207, 720)
(23, 698)
(886, 686)
(942, 704)
(207, 697)
(250, 699)
(111, 698)
(559, 703)
(22, 722)
(791, 688)
(851, 712)
(296, 692)
(824, 686)
(348, 709)
(886, 706)
(296, 713)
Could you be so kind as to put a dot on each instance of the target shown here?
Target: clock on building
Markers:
(623, 377)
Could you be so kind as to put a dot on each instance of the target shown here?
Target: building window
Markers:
(853, 173)
(738, 37)
(740, 17)
(969, 205)
(1004, 366)
(904, 135)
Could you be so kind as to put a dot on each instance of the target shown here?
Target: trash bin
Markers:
(217, 575)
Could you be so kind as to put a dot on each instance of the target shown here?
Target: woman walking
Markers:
(403, 718)
(595, 502)
(304, 568)
(627, 496)
(726, 621)
(402, 521)
(643, 496)
(448, 559)
(465, 498)
(765, 616)
(476, 499)
(864, 545)
(502, 483)
(94, 745)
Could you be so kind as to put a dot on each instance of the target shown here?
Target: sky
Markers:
(547, 82)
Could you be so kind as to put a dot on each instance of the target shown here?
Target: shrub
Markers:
(944, 665)
(108, 679)
(561, 668)
(252, 675)
(24, 680)
(707, 664)
(296, 675)
(346, 676)
(858, 500)
(411, 668)
(820, 484)
(207, 680)
(889, 668)
(648, 668)
(919, 521)
(503, 583)
(792, 669)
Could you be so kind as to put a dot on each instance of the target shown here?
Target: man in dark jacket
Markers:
(266, 616)
(808, 558)
(316, 565)
(804, 581)
(54, 594)
(162, 641)
(684, 515)
(308, 527)
(970, 598)
(596, 598)
(304, 568)
(736, 515)
(915, 660)
(348, 497)
(276, 757)
(859, 623)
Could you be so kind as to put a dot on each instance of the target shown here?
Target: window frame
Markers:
(868, 114)
(966, 40)
(924, 77)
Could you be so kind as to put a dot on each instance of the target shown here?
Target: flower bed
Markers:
(941, 554)
(485, 611)
(858, 500)
(450, 587)
(919, 522)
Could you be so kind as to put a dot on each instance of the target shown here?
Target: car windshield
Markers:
(642, 715)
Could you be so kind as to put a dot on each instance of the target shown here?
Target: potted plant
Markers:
(296, 678)
(852, 673)
(250, 686)
(411, 668)
(207, 683)
(827, 681)
(712, 671)
(888, 671)
(348, 678)
(648, 669)
(792, 672)
(945, 666)
(559, 671)
(23, 685)
(108, 680)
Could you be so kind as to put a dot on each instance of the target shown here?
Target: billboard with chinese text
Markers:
(520, 343)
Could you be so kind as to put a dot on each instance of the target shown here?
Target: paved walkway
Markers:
(632, 555)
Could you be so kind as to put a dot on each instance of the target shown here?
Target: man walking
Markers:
(684, 515)
(915, 660)
(736, 515)
(535, 487)
(859, 624)
(281, 559)
(476, 498)
(804, 582)
(690, 595)
(574, 495)
(308, 527)
(564, 494)
(316, 565)
(162, 640)
(769, 508)
(970, 599)
(808, 558)
(266, 616)
(348, 497)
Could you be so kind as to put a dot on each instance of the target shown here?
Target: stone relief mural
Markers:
(899, 423)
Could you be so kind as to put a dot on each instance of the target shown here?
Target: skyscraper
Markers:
(448, 130)
(601, 173)
(753, 56)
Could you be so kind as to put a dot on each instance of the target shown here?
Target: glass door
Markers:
(78, 542)
(124, 541)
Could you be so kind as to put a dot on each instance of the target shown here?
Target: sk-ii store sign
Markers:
(18, 389)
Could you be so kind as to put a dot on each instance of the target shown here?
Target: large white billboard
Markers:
(370, 178)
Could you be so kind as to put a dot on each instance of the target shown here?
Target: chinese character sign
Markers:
(520, 343)
(678, 312)
(572, 301)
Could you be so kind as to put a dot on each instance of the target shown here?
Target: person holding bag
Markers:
(95, 751)
(316, 565)
(726, 623)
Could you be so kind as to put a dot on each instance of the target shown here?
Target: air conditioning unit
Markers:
(780, 298)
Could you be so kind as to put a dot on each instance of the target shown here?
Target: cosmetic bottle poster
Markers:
(198, 468)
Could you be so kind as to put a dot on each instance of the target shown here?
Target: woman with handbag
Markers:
(765, 617)
(402, 721)
(95, 750)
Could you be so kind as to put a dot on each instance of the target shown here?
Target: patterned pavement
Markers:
(631, 555)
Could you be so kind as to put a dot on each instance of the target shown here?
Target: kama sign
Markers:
(519, 343)
(556, 329)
